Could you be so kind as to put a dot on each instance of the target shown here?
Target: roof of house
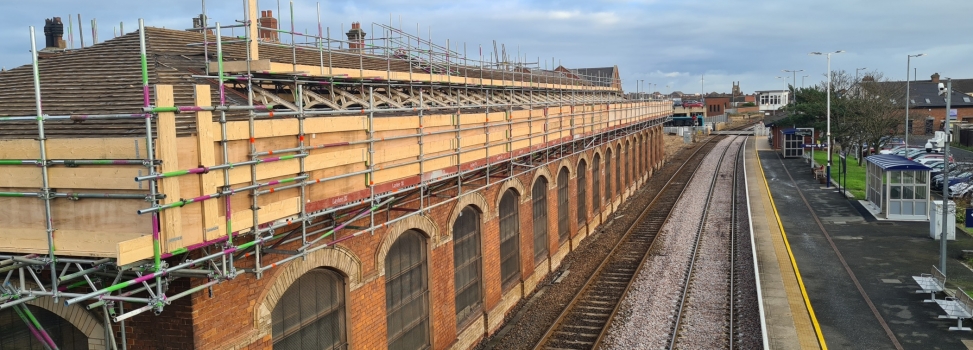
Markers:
(925, 94)
(106, 78)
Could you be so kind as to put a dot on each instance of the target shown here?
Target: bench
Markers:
(957, 308)
(931, 283)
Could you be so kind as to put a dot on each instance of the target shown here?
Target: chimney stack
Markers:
(356, 37)
(199, 23)
(935, 78)
(267, 20)
(53, 34)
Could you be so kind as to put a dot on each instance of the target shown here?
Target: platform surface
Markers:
(857, 270)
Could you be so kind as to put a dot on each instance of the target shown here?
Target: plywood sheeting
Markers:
(111, 228)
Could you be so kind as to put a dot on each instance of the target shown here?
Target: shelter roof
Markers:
(895, 162)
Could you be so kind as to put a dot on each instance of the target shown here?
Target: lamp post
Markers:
(802, 80)
(783, 80)
(943, 236)
(828, 132)
(794, 73)
(906, 131)
(857, 82)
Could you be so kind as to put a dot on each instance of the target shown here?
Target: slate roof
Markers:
(106, 79)
(925, 93)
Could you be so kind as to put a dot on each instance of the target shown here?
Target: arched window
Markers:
(407, 293)
(628, 164)
(582, 191)
(539, 196)
(466, 264)
(596, 183)
(311, 313)
(563, 211)
(509, 239)
(618, 172)
(608, 177)
(14, 333)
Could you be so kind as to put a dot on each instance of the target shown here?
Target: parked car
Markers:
(961, 177)
(891, 143)
(902, 151)
(962, 189)
(692, 104)
(930, 162)
(930, 156)
(893, 149)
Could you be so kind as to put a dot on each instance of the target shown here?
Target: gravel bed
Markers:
(705, 320)
(746, 321)
(648, 312)
(527, 322)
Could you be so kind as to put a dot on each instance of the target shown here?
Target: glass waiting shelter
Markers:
(898, 186)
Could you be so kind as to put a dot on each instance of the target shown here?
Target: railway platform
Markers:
(856, 271)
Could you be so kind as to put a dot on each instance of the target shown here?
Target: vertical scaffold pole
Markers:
(226, 156)
(150, 156)
(303, 171)
(320, 46)
(254, 193)
(45, 180)
(422, 154)
(371, 156)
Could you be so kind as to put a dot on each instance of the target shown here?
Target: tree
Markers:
(863, 113)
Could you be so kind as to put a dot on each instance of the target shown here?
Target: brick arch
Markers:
(566, 163)
(420, 223)
(471, 198)
(78, 317)
(510, 183)
(583, 156)
(337, 257)
(545, 172)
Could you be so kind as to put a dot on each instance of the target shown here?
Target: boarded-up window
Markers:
(466, 264)
(539, 196)
(14, 333)
(311, 313)
(509, 239)
(407, 293)
(563, 211)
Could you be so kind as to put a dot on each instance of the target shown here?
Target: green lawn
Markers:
(856, 174)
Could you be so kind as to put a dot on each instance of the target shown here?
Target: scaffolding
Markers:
(394, 144)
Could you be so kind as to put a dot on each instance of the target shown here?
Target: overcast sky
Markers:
(665, 42)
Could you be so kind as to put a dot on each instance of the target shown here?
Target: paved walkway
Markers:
(856, 270)
(789, 324)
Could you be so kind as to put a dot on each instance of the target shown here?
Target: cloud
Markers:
(676, 43)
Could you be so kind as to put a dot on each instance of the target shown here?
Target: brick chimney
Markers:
(53, 34)
(356, 37)
(935, 78)
(267, 20)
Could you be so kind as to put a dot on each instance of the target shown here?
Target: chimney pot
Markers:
(935, 78)
(267, 20)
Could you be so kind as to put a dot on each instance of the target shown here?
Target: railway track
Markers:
(584, 321)
(709, 228)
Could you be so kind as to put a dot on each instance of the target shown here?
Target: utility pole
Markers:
(794, 74)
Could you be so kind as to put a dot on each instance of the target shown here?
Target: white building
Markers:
(772, 100)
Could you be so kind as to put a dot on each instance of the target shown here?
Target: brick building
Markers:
(414, 221)
(928, 108)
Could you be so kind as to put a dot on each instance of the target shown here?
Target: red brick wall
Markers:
(228, 318)
(918, 118)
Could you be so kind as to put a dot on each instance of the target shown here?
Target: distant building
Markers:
(927, 109)
(772, 100)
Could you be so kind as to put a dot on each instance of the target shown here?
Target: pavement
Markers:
(855, 269)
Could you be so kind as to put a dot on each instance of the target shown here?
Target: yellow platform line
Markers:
(800, 281)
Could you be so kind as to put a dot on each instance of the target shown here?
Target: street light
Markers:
(783, 80)
(908, 62)
(794, 73)
(828, 133)
(948, 91)
(802, 80)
